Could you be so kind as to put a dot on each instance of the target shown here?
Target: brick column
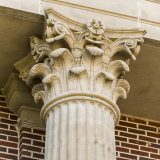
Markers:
(8, 132)
(31, 134)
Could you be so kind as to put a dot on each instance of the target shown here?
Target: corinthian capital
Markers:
(88, 61)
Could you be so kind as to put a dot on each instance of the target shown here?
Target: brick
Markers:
(147, 139)
(143, 158)
(8, 121)
(128, 135)
(27, 158)
(8, 156)
(13, 151)
(26, 141)
(136, 131)
(153, 135)
(155, 124)
(39, 131)
(147, 128)
(117, 143)
(25, 129)
(3, 126)
(13, 139)
(155, 156)
(12, 133)
(37, 143)
(128, 124)
(8, 144)
(116, 132)
(38, 155)
(2, 109)
(25, 153)
(124, 118)
(128, 145)
(2, 149)
(139, 153)
(120, 149)
(148, 149)
(128, 156)
(3, 104)
(3, 115)
(155, 145)
(2, 98)
(121, 128)
(121, 158)
(13, 117)
(12, 128)
(30, 148)
(32, 136)
(135, 120)
(137, 142)
(3, 137)
(121, 139)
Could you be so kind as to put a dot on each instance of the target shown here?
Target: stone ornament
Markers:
(90, 63)
(79, 78)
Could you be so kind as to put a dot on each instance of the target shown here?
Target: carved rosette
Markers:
(79, 79)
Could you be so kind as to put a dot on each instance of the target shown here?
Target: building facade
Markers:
(64, 66)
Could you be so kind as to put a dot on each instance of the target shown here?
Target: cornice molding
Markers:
(79, 26)
(132, 18)
(154, 1)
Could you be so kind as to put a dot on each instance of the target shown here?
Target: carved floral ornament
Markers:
(72, 61)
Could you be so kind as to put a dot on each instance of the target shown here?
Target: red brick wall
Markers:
(32, 144)
(137, 139)
(8, 133)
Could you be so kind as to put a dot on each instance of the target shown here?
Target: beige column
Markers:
(78, 74)
(80, 126)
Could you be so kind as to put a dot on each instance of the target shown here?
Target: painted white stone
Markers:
(29, 5)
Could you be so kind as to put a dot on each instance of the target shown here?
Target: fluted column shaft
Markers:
(80, 128)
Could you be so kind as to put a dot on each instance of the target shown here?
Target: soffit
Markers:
(16, 28)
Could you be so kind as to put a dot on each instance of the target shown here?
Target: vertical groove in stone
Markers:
(73, 131)
(51, 135)
(64, 132)
(92, 130)
(99, 133)
(82, 137)
(47, 138)
(88, 132)
(106, 133)
(56, 133)
(80, 130)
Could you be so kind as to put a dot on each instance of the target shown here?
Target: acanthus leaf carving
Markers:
(39, 96)
(85, 61)
(37, 88)
(78, 79)
(53, 84)
(119, 92)
(116, 67)
(40, 70)
(63, 62)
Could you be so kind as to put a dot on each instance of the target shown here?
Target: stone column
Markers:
(80, 126)
(81, 79)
